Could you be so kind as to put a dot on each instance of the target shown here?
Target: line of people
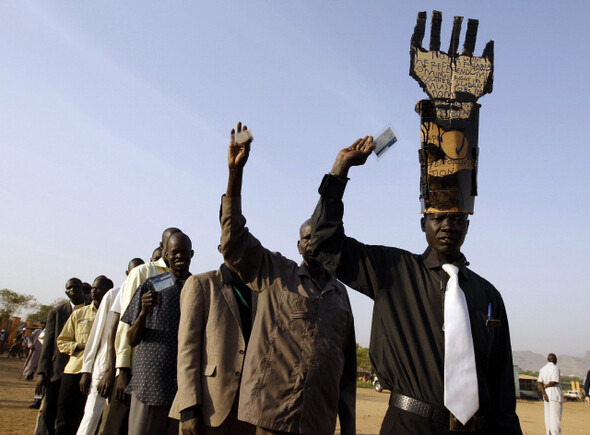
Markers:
(264, 344)
(261, 345)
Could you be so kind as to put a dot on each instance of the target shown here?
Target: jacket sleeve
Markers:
(48, 344)
(256, 266)
(66, 341)
(361, 267)
(190, 341)
(347, 401)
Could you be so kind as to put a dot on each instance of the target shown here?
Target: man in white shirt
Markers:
(550, 385)
(94, 364)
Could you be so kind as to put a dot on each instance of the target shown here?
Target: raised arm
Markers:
(343, 256)
(255, 265)
(237, 156)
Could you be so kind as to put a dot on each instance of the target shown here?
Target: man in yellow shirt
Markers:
(72, 341)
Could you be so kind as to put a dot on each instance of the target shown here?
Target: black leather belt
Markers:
(434, 413)
(423, 409)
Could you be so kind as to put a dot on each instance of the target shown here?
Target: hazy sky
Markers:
(114, 123)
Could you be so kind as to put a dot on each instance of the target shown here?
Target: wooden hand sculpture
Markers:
(453, 82)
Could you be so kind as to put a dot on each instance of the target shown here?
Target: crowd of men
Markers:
(264, 344)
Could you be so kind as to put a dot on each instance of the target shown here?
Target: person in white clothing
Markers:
(94, 365)
(550, 385)
(95, 362)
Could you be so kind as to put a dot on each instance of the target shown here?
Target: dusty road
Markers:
(16, 395)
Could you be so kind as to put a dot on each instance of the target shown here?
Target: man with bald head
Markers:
(116, 414)
(52, 362)
(124, 354)
(153, 315)
(300, 366)
(72, 341)
(550, 386)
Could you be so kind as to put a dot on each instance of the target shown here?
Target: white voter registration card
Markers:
(385, 140)
(163, 282)
(244, 136)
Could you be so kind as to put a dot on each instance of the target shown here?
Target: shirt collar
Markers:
(432, 261)
(75, 307)
(226, 275)
(161, 263)
(332, 283)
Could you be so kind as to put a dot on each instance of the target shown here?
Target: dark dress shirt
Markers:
(407, 339)
(154, 367)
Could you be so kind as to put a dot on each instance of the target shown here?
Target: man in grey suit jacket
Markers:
(216, 311)
(52, 361)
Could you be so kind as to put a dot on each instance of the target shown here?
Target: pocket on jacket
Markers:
(210, 370)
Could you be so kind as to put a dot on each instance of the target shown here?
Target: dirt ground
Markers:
(17, 394)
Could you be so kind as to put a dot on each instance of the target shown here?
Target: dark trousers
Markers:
(115, 418)
(398, 421)
(50, 411)
(70, 405)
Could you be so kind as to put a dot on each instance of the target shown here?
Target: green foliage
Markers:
(12, 303)
(363, 384)
(569, 379)
(362, 359)
(41, 314)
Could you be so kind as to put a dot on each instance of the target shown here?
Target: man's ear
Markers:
(299, 247)
(192, 253)
(423, 224)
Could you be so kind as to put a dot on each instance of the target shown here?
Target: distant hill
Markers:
(570, 365)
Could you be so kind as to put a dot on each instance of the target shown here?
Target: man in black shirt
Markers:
(407, 340)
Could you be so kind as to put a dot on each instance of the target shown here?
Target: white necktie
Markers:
(461, 393)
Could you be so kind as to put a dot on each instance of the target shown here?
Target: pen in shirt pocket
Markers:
(490, 320)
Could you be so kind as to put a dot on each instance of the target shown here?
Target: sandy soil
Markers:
(17, 394)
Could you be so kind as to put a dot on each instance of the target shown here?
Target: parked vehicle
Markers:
(573, 395)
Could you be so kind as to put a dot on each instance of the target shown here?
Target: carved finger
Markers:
(418, 35)
(470, 37)
(488, 52)
(454, 45)
(435, 31)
